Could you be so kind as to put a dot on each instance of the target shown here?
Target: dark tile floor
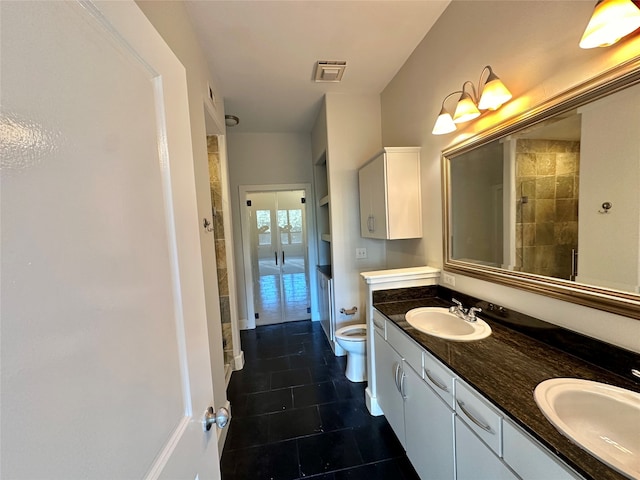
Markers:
(295, 415)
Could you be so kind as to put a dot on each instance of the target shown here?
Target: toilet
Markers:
(353, 338)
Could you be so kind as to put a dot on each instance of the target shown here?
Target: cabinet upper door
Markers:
(404, 201)
(373, 199)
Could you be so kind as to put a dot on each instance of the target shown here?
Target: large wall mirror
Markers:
(550, 201)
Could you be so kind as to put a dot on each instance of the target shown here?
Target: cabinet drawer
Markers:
(439, 377)
(379, 324)
(529, 459)
(479, 415)
(405, 346)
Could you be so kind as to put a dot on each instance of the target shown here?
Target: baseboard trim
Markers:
(238, 361)
(372, 403)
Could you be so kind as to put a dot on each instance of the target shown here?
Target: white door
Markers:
(105, 359)
(275, 226)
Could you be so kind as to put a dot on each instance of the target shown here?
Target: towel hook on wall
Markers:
(606, 206)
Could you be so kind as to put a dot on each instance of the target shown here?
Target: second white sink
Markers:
(439, 322)
(603, 419)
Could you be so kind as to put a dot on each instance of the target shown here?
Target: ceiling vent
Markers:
(329, 71)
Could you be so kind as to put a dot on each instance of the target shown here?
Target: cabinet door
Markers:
(429, 429)
(474, 460)
(404, 204)
(388, 371)
(373, 199)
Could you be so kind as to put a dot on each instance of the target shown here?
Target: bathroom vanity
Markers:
(466, 410)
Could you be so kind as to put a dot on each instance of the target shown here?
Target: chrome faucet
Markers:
(465, 314)
(457, 309)
(471, 315)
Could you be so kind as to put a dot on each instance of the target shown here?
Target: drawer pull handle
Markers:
(377, 325)
(482, 425)
(441, 386)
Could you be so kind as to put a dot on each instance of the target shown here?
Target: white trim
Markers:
(163, 458)
(412, 276)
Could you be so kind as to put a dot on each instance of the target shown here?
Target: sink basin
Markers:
(602, 419)
(437, 321)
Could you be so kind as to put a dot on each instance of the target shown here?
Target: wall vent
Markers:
(329, 70)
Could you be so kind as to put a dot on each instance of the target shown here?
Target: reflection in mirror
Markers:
(555, 202)
(515, 200)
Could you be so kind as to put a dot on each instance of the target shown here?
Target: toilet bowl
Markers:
(353, 338)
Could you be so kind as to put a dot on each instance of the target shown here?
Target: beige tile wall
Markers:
(547, 180)
(218, 231)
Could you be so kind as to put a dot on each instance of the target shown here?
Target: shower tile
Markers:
(544, 233)
(566, 163)
(565, 186)
(545, 164)
(545, 210)
(566, 210)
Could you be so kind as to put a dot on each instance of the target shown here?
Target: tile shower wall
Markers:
(547, 180)
(221, 256)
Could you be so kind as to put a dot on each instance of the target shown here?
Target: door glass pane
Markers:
(291, 219)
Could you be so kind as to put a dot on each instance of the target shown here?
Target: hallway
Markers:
(295, 415)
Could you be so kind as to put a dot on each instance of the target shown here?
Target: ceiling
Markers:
(263, 53)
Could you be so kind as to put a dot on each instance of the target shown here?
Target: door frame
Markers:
(244, 190)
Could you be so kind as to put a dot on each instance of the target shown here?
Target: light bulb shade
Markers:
(465, 110)
(611, 20)
(444, 123)
(494, 93)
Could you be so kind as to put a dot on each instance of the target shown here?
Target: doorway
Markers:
(276, 255)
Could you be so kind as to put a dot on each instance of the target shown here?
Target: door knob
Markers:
(219, 418)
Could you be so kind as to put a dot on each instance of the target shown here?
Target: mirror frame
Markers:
(613, 301)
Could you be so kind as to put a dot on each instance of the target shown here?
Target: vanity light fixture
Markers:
(466, 109)
(611, 20)
(491, 95)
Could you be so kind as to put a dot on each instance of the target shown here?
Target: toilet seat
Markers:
(353, 333)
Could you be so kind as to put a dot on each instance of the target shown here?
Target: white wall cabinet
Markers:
(390, 199)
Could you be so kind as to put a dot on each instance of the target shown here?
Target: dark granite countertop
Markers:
(507, 366)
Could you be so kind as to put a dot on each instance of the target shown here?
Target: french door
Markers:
(276, 228)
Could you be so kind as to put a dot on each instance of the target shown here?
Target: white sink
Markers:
(602, 419)
(437, 321)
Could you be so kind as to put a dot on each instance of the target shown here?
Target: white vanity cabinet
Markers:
(478, 437)
(388, 375)
(474, 460)
(448, 429)
(428, 429)
(390, 200)
(421, 419)
(529, 459)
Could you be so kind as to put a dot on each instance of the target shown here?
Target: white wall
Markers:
(353, 136)
(263, 159)
(533, 48)
(609, 243)
(172, 22)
